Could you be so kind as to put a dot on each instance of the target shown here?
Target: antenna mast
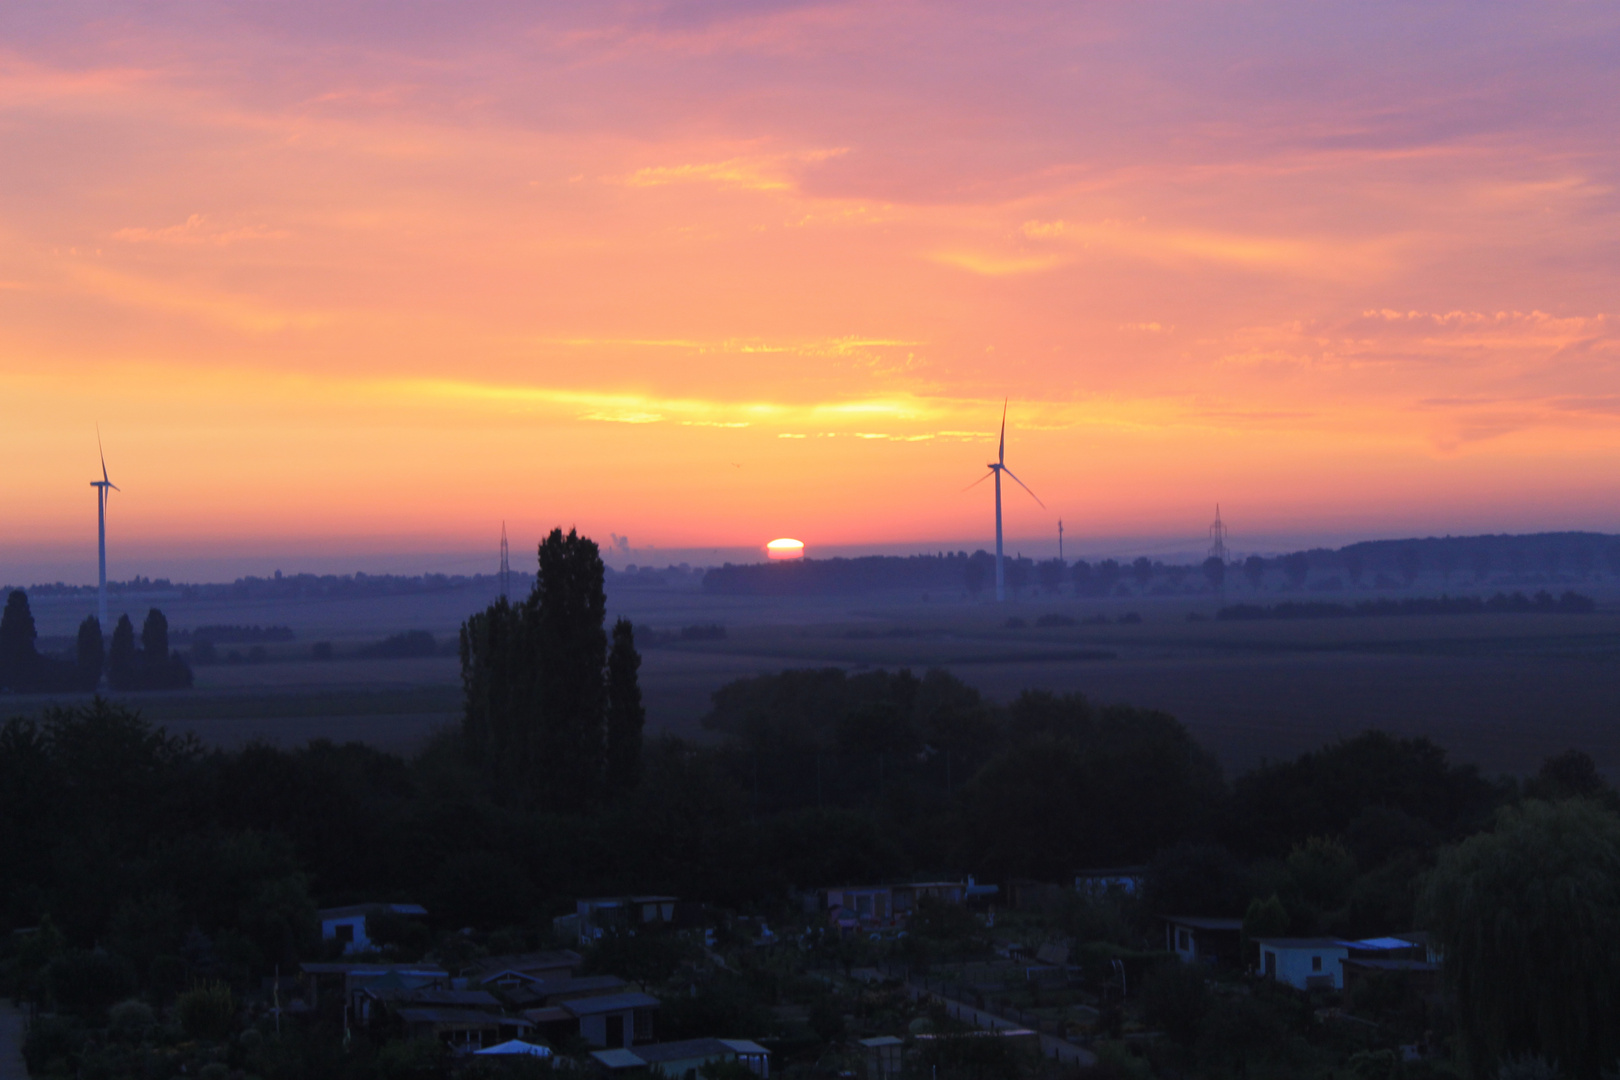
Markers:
(506, 566)
(1217, 537)
(1060, 539)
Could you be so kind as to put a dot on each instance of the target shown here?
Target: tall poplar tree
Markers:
(91, 653)
(625, 715)
(536, 676)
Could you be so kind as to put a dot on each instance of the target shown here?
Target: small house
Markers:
(612, 1021)
(906, 897)
(597, 916)
(1114, 879)
(863, 903)
(468, 1029)
(516, 968)
(1203, 939)
(883, 1056)
(1304, 963)
(349, 979)
(348, 924)
(682, 1060)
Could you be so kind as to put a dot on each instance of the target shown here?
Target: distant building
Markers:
(1304, 963)
(594, 917)
(612, 1021)
(348, 924)
(1203, 939)
(1113, 879)
(677, 1060)
(514, 968)
(883, 1056)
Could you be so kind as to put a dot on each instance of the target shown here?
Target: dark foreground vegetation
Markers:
(153, 887)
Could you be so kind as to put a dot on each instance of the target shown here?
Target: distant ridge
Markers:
(1535, 559)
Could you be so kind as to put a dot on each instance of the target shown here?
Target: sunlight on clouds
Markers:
(767, 173)
(195, 230)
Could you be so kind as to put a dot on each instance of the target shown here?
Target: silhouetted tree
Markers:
(155, 639)
(625, 715)
(1082, 576)
(1527, 918)
(568, 609)
(1051, 573)
(1107, 575)
(536, 681)
(91, 653)
(1215, 572)
(19, 660)
(1254, 569)
(1355, 564)
(121, 673)
(1572, 774)
(1142, 571)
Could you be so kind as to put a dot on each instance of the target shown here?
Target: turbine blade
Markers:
(101, 452)
(980, 480)
(1025, 486)
(1001, 451)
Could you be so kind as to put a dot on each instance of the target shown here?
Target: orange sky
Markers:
(705, 274)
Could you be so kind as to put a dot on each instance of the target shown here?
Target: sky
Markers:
(361, 281)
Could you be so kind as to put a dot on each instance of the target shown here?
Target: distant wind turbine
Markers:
(102, 486)
(997, 467)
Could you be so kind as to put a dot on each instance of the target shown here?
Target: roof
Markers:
(883, 1040)
(585, 984)
(469, 1017)
(549, 1014)
(470, 999)
(591, 1006)
(1302, 943)
(341, 968)
(523, 963)
(1204, 922)
(745, 1046)
(516, 1046)
(618, 1059)
(367, 909)
(656, 1053)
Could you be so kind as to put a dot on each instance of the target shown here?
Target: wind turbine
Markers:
(997, 467)
(102, 486)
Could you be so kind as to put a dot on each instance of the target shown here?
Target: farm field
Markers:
(1500, 690)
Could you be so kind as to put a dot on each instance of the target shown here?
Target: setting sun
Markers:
(785, 549)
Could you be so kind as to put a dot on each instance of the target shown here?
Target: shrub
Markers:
(207, 1011)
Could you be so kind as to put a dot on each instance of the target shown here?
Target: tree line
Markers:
(128, 664)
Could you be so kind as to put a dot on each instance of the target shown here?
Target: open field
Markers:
(1500, 690)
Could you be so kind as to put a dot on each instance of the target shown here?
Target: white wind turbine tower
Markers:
(102, 486)
(997, 467)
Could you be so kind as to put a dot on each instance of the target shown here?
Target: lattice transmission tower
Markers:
(506, 566)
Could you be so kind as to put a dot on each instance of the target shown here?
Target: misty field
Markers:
(1500, 690)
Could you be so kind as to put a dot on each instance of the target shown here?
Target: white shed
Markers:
(1304, 963)
(348, 924)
